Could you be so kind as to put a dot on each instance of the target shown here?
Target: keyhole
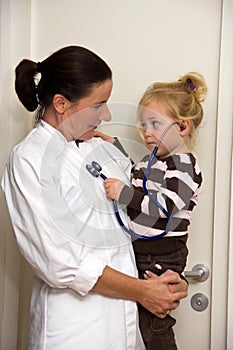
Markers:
(199, 302)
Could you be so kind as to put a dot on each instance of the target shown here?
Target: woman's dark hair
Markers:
(71, 71)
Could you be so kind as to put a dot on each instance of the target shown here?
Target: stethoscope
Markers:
(95, 170)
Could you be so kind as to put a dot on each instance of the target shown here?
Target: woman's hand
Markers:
(166, 298)
(173, 287)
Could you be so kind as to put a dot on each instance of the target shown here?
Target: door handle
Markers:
(199, 272)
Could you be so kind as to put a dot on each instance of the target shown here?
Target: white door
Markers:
(150, 40)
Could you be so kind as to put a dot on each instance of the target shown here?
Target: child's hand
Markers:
(103, 136)
(113, 188)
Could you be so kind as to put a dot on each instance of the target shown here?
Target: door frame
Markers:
(220, 329)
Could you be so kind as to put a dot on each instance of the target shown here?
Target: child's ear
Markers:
(60, 103)
(184, 127)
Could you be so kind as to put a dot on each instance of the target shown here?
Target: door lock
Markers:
(199, 302)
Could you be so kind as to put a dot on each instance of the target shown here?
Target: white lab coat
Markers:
(66, 229)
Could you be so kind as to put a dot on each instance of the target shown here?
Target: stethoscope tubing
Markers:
(95, 169)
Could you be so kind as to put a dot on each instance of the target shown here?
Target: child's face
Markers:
(154, 121)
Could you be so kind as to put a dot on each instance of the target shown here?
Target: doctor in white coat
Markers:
(86, 286)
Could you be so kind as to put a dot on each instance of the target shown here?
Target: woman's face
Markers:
(80, 119)
(154, 121)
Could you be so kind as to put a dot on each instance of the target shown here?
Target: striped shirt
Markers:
(175, 183)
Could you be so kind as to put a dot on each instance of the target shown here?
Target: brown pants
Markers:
(158, 333)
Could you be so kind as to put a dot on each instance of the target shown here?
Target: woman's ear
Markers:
(60, 103)
(184, 127)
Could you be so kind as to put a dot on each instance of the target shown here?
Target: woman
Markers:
(85, 287)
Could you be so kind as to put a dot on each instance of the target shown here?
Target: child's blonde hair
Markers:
(181, 100)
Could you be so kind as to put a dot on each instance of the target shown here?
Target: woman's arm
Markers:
(61, 263)
(154, 294)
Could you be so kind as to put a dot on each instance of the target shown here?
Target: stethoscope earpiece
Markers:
(182, 127)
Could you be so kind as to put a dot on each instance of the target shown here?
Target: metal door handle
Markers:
(199, 272)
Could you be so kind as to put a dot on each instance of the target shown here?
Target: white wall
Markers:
(14, 123)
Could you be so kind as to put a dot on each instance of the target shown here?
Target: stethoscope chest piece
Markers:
(95, 169)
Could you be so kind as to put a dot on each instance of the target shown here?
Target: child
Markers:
(168, 117)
